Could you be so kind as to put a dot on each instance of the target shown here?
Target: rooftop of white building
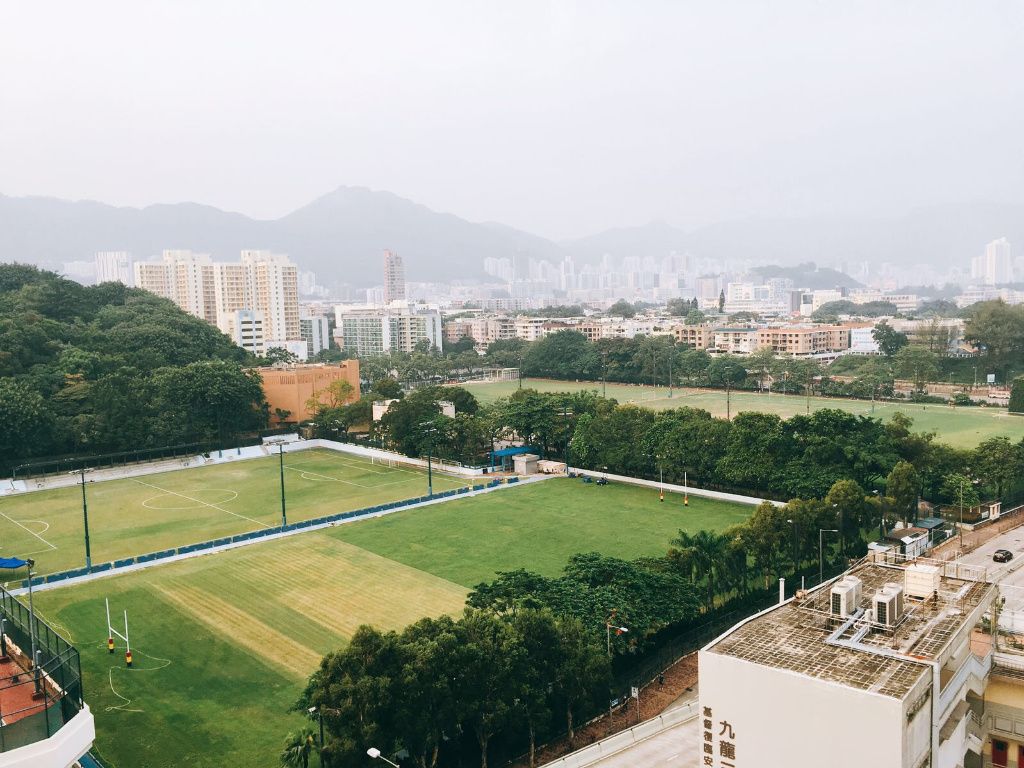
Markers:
(803, 636)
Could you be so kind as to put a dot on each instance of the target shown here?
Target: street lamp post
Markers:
(821, 557)
(796, 566)
(319, 716)
(376, 755)
(608, 627)
(32, 629)
(670, 356)
(604, 374)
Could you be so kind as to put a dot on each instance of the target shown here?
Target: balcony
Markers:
(44, 722)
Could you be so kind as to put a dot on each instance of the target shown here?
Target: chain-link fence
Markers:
(37, 697)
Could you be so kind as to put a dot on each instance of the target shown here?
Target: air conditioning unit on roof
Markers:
(844, 599)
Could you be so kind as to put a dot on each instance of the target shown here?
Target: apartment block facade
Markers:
(261, 281)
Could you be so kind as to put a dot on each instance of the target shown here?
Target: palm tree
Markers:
(297, 749)
(701, 555)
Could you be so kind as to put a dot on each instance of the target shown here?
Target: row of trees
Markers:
(442, 685)
(108, 368)
(760, 453)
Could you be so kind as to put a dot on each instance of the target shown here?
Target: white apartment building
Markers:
(114, 267)
(530, 328)
(261, 281)
(376, 331)
(904, 302)
(820, 298)
(995, 266)
(882, 667)
(245, 328)
(315, 331)
(394, 278)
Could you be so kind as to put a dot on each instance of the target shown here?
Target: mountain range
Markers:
(342, 234)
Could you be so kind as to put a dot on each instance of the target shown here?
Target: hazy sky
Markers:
(563, 118)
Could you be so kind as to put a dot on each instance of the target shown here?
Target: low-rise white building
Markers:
(877, 668)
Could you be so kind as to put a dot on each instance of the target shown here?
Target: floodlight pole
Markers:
(670, 374)
(85, 518)
(280, 456)
(431, 430)
(821, 558)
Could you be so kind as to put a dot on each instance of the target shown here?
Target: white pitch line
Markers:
(200, 501)
(51, 546)
(326, 477)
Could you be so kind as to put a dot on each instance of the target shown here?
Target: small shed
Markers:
(912, 542)
(502, 458)
(525, 463)
(938, 530)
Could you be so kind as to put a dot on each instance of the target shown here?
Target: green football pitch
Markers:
(225, 641)
(150, 513)
(962, 427)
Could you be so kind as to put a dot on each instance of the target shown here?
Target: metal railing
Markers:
(47, 690)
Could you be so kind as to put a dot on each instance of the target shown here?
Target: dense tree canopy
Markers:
(108, 368)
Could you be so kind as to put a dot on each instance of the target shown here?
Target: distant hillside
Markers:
(342, 234)
(942, 235)
(809, 275)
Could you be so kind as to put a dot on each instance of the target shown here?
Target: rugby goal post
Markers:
(111, 632)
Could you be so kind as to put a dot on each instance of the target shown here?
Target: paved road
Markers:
(1009, 576)
(676, 747)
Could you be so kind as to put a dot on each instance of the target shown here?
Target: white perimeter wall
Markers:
(784, 720)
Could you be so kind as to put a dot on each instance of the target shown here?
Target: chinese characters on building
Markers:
(720, 735)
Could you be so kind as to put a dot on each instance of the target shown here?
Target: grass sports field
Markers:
(224, 642)
(962, 427)
(133, 516)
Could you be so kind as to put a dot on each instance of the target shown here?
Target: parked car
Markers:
(1002, 556)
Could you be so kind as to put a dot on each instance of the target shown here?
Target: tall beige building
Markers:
(261, 282)
(394, 277)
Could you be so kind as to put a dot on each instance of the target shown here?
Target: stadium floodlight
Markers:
(375, 754)
(85, 515)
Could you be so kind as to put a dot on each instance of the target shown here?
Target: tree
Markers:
(275, 355)
(387, 388)
(695, 317)
(537, 635)
(846, 498)
(960, 490)
(678, 307)
(721, 301)
(700, 557)
(562, 355)
(583, 669)
(917, 364)
(25, 420)
(622, 308)
(488, 660)
(997, 329)
(889, 340)
(903, 486)
(998, 463)
(1017, 396)
(298, 748)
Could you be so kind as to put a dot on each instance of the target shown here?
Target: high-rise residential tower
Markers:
(261, 282)
(394, 277)
(995, 266)
(114, 267)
